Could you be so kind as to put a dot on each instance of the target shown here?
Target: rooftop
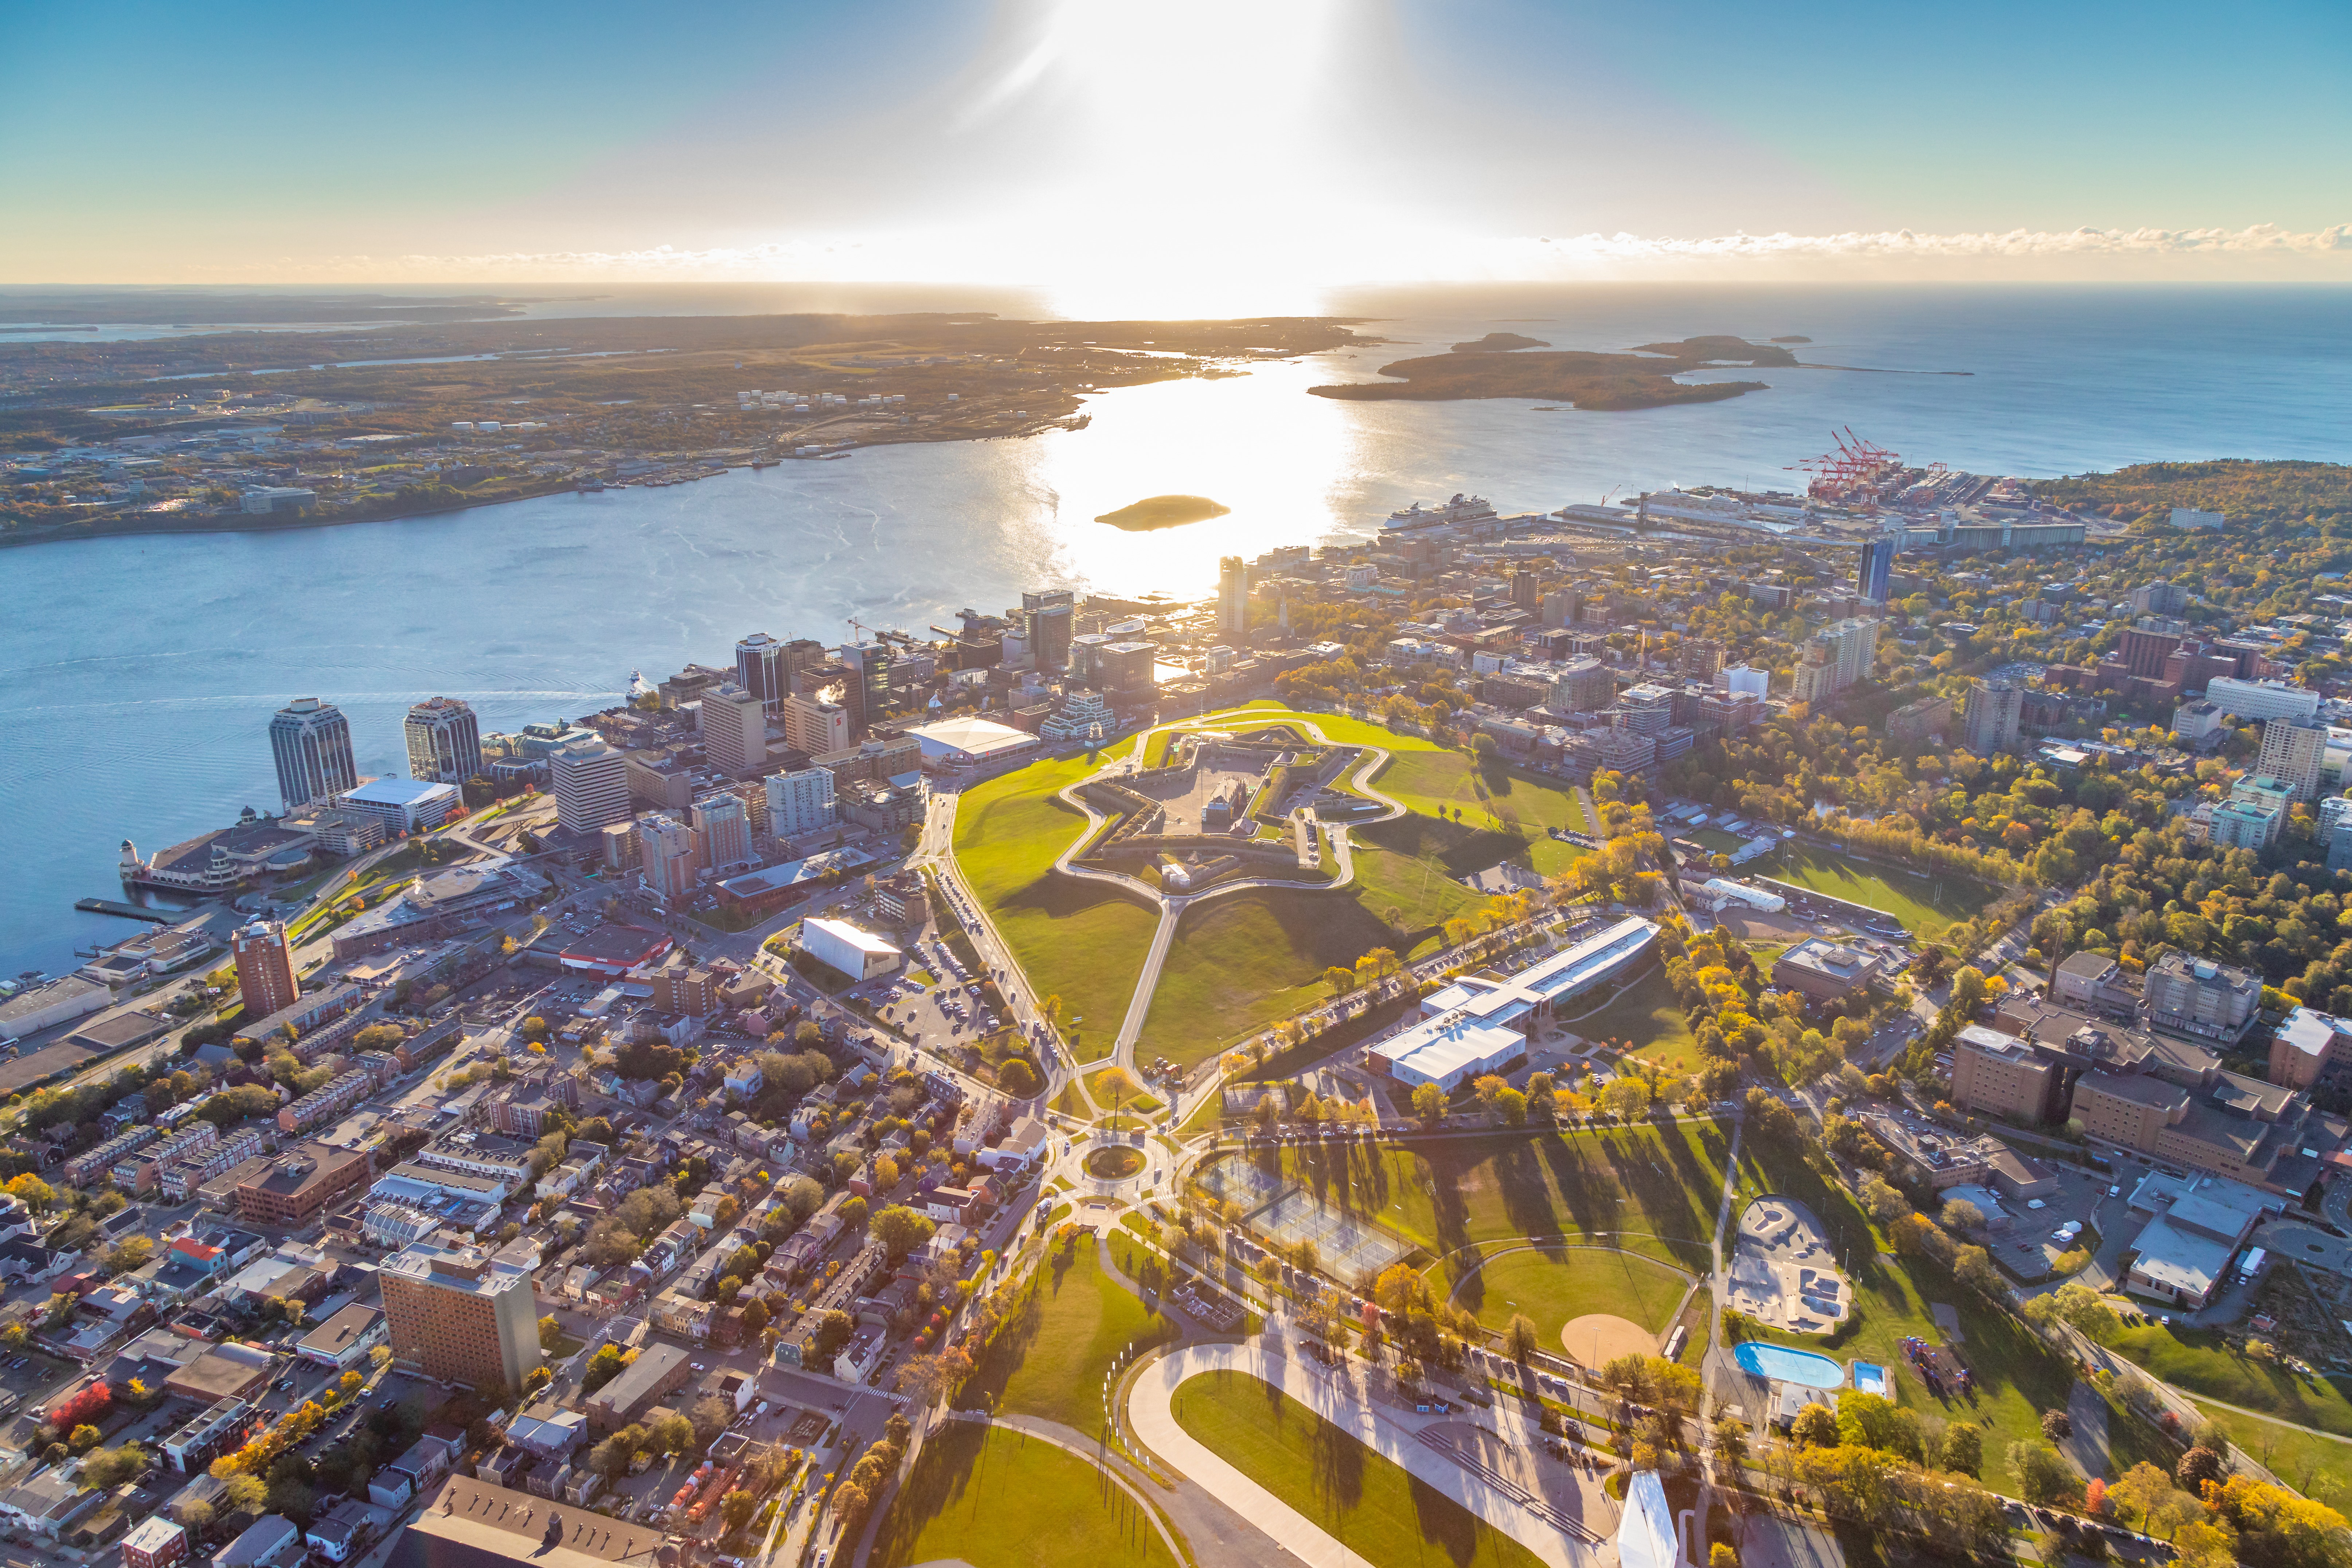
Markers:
(399, 792)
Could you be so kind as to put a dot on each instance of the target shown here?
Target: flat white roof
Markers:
(842, 930)
(1437, 1051)
(399, 791)
(973, 736)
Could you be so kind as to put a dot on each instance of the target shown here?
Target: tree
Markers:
(105, 1469)
(1972, 1267)
(33, 1193)
(2198, 1464)
(1721, 1555)
(549, 1332)
(755, 1316)
(1018, 1079)
(2042, 1476)
(736, 1508)
(244, 1493)
(1816, 1427)
(1428, 1103)
(1961, 1214)
(602, 1368)
(131, 1252)
(2057, 1425)
(1520, 1339)
(1340, 979)
(711, 1416)
(1962, 1448)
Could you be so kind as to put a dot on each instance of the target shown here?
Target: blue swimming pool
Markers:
(1869, 1377)
(1790, 1366)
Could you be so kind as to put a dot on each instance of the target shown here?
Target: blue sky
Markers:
(243, 142)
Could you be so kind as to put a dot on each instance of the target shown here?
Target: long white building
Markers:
(1475, 1027)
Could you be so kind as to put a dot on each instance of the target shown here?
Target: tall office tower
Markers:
(313, 743)
(867, 693)
(1877, 565)
(590, 781)
(1702, 658)
(815, 726)
(726, 829)
(1526, 592)
(801, 656)
(1989, 723)
(2292, 754)
(1049, 618)
(461, 1315)
(735, 730)
(667, 857)
(761, 670)
(1233, 598)
(265, 969)
(800, 803)
(1645, 709)
(444, 741)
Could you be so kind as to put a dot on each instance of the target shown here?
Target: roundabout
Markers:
(1114, 1162)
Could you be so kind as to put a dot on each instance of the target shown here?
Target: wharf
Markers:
(129, 912)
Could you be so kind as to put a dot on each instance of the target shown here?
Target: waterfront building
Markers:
(800, 803)
(403, 806)
(1989, 723)
(734, 731)
(1233, 598)
(265, 968)
(1049, 618)
(312, 742)
(591, 782)
(2292, 753)
(462, 1315)
(444, 741)
(762, 669)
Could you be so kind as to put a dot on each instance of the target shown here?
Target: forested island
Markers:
(1593, 381)
(1164, 511)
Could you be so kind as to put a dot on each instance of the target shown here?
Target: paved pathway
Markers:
(2087, 1445)
(1403, 1439)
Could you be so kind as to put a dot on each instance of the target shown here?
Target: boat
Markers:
(638, 686)
(764, 462)
(1462, 511)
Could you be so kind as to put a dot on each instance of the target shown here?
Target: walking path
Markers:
(1055, 1434)
(1425, 1446)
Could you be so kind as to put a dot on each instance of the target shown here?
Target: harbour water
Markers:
(137, 674)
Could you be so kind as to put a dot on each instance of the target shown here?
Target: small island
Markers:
(1613, 381)
(1164, 511)
(1792, 338)
(1500, 342)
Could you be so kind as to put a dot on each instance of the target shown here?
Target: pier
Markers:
(129, 912)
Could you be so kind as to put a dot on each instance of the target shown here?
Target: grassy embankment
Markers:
(1050, 1357)
(1080, 941)
(994, 1497)
(1369, 1504)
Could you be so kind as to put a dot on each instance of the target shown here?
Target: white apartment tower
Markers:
(668, 857)
(800, 803)
(1233, 597)
(815, 726)
(2292, 753)
(735, 729)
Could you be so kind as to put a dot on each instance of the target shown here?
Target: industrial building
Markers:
(857, 954)
(1475, 1027)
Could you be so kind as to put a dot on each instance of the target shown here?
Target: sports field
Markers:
(1079, 940)
(1924, 904)
(1651, 1189)
(1051, 1356)
(1648, 1016)
(994, 1497)
(1368, 1504)
(1557, 1284)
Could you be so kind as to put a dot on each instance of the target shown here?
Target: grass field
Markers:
(1427, 779)
(1924, 904)
(1077, 940)
(1000, 1499)
(1558, 1285)
(1369, 1504)
(1646, 1189)
(2204, 1363)
(1050, 1358)
(1133, 1095)
(1715, 839)
(2017, 1376)
(1646, 1013)
(1240, 961)
(2299, 1459)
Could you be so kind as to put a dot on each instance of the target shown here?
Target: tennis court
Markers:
(1347, 1248)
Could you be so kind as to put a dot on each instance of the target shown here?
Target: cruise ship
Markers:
(1459, 512)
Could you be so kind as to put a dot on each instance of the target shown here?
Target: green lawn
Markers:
(1648, 1016)
(1369, 1504)
(1132, 1095)
(1716, 839)
(1427, 779)
(1648, 1189)
(1000, 1499)
(2017, 1376)
(1559, 1285)
(2204, 1363)
(1243, 960)
(2299, 1459)
(1924, 904)
(1050, 1358)
(1077, 940)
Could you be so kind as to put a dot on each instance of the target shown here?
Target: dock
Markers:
(129, 912)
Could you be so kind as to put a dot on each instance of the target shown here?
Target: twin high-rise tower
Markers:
(311, 741)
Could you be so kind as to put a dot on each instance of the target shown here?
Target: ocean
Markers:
(138, 675)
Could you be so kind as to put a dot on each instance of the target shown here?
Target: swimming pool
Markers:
(1789, 1366)
(1870, 1377)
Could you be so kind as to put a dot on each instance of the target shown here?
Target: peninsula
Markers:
(1590, 381)
(1164, 511)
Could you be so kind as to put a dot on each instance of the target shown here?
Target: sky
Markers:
(1201, 152)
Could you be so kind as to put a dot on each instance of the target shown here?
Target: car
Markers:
(2114, 1192)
